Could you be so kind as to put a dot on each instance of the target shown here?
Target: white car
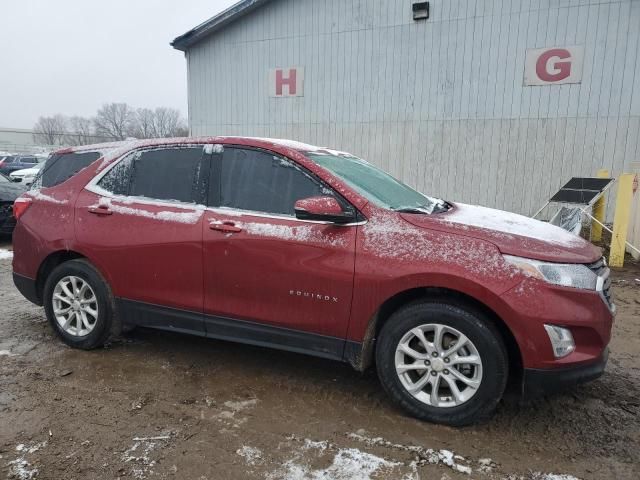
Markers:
(26, 175)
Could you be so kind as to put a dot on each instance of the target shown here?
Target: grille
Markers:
(601, 270)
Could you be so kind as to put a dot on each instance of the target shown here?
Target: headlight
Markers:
(565, 274)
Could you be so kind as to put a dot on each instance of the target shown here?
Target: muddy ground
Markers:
(159, 405)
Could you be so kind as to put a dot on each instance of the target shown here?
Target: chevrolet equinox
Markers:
(281, 244)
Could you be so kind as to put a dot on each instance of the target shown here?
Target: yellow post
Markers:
(621, 220)
(599, 209)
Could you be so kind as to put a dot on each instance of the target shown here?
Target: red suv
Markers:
(282, 244)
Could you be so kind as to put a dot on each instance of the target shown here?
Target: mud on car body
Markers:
(282, 244)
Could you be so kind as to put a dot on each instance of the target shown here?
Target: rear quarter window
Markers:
(59, 168)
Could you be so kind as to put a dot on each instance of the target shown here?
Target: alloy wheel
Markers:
(75, 306)
(438, 365)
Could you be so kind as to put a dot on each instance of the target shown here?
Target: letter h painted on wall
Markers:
(286, 82)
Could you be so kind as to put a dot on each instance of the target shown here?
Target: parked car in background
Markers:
(19, 162)
(27, 175)
(9, 191)
(282, 244)
(6, 161)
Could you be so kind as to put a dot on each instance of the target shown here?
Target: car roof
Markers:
(247, 141)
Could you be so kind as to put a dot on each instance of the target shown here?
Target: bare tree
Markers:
(159, 123)
(143, 124)
(167, 121)
(80, 131)
(114, 120)
(50, 130)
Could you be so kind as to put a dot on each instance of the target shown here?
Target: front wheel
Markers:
(442, 363)
(79, 305)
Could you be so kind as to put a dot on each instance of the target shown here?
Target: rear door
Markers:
(141, 221)
(264, 266)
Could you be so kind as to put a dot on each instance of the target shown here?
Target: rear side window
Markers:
(263, 182)
(165, 174)
(62, 167)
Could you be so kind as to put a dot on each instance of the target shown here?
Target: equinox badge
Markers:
(316, 296)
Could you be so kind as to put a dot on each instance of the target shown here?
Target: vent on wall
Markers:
(420, 10)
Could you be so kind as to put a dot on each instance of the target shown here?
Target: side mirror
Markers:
(325, 209)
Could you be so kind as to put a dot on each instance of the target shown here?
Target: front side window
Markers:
(263, 182)
(165, 174)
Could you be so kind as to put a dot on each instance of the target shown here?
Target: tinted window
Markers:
(61, 167)
(117, 179)
(263, 182)
(166, 174)
(28, 160)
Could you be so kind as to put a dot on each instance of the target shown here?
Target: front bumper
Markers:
(537, 382)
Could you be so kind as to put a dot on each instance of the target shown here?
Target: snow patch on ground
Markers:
(252, 456)
(346, 464)
(20, 468)
(425, 455)
(552, 476)
(138, 455)
(231, 414)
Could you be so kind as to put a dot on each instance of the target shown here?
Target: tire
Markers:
(489, 375)
(96, 330)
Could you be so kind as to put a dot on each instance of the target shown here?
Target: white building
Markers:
(485, 101)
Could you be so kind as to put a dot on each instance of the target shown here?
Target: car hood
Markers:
(513, 234)
(10, 191)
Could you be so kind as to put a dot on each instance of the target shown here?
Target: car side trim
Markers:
(242, 331)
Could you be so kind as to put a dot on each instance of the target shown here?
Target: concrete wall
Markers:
(439, 103)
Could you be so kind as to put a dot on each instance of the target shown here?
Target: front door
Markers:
(268, 275)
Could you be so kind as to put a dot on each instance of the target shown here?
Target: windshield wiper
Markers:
(442, 207)
(421, 210)
(438, 207)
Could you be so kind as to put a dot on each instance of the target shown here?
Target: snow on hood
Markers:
(513, 234)
(512, 224)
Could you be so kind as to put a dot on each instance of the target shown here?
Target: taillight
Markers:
(1, 163)
(20, 206)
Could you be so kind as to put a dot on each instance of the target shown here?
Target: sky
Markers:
(71, 56)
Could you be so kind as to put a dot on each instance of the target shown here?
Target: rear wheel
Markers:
(79, 305)
(442, 363)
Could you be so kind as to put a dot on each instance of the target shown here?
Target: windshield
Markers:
(374, 184)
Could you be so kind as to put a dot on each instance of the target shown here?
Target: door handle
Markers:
(228, 227)
(100, 211)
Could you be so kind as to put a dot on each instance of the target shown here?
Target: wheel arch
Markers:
(364, 357)
(49, 264)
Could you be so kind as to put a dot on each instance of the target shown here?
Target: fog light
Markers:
(561, 340)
